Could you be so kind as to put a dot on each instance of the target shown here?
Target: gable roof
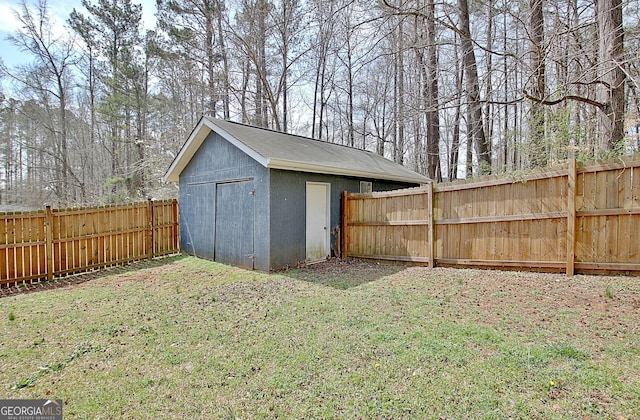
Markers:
(277, 150)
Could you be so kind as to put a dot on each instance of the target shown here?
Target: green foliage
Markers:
(564, 135)
(484, 168)
(563, 350)
(119, 191)
(38, 342)
(55, 367)
(12, 316)
(604, 154)
(609, 292)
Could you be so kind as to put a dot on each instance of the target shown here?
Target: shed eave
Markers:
(202, 130)
(289, 165)
(197, 136)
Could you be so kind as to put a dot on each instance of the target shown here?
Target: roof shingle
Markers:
(284, 151)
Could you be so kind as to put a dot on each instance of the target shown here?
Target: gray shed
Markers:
(266, 200)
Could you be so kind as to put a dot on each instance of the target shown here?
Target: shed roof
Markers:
(277, 150)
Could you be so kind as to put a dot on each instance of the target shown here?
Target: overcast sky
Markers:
(59, 11)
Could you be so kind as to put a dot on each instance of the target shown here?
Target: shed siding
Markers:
(217, 162)
(288, 211)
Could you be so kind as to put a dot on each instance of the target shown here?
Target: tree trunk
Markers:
(432, 92)
(455, 142)
(505, 128)
(611, 56)
(225, 62)
(488, 108)
(211, 59)
(538, 147)
(474, 107)
(285, 68)
(400, 111)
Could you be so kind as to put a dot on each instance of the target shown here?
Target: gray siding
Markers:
(217, 162)
(288, 211)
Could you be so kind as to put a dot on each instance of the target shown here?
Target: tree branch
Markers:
(450, 26)
(541, 101)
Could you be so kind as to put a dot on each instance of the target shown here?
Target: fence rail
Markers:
(43, 244)
(583, 219)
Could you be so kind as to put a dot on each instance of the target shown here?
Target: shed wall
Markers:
(288, 211)
(218, 162)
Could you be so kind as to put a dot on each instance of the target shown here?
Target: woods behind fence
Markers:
(583, 219)
(42, 244)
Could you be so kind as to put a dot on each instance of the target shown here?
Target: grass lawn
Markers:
(188, 338)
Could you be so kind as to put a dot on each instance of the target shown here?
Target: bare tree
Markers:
(475, 124)
(538, 150)
(431, 95)
(49, 77)
(611, 85)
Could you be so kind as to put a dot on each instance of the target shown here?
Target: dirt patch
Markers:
(597, 307)
(344, 274)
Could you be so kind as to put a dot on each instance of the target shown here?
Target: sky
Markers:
(59, 11)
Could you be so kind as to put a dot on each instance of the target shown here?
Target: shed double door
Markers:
(234, 218)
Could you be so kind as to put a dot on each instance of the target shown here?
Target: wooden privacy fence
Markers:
(583, 219)
(42, 244)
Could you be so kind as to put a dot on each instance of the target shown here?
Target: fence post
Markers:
(343, 232)
(48, 226)
(571, 216)
(431, 232)
(176, 224)
(150, 231)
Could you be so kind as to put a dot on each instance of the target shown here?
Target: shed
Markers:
(261, 199)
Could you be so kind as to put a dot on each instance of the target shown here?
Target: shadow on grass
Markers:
(58, 282)
(138, 265)
(344, 274)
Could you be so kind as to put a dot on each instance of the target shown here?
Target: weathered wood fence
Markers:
(571, 219)
(42, 244)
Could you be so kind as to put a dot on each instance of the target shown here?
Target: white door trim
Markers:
(318, 231)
